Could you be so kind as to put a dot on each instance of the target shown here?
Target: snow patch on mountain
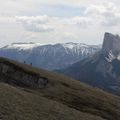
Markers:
(22, 46)
(110, 56)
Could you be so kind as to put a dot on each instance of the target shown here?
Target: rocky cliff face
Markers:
(102, 69)
(111, 46)
(16, 76)
(111, 42)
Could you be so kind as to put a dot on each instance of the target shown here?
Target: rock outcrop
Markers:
(111, 44)
(17, 76)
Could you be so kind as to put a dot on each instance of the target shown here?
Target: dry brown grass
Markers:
(63, 99)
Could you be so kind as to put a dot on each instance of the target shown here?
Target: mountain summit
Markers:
(111, 46)
(111, 42)
(103, 68)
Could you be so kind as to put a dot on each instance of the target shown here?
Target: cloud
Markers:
(35, 23)
(102, 9)
(38, 28)
(79, 21)
(32, 19)
(107, 14)
(55, 21)
(46, 23)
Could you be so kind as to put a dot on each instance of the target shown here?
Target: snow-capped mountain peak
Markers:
(22, 46)
(49, 56)
(69, 45)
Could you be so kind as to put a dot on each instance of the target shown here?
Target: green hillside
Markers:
(62, 98)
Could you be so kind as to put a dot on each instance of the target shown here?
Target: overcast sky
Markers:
(52, 21)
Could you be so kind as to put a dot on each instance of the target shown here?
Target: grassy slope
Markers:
(17, 104)
(63, 99)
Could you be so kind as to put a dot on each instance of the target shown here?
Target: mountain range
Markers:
(101, 70)
(50, 56)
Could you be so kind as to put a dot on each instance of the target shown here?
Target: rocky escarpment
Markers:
(111, 47)
(111, 42)
(15, 75)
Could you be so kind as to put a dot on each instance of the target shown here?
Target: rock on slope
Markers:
(102, 69)
(50, 57)
(61, 98)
